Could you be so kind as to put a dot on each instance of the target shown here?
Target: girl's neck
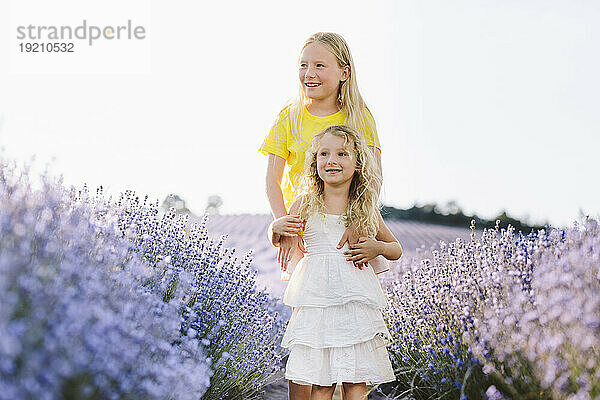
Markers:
(322, 108)
(336, 199)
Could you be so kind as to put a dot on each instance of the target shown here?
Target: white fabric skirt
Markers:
(336, 344)
(361, 362)
(335, 326)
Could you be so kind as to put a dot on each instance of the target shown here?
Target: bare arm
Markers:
(275, 166)
(378, 171)
(368, 248)
(273, 178)
(274, 237)
(284, 224)
(287, 244)
(390, 248)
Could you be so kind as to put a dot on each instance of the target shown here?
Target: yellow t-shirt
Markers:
(281, 142)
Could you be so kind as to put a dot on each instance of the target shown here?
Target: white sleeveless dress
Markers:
(336, 332)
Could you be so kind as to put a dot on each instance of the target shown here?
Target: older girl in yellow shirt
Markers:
(328, 95)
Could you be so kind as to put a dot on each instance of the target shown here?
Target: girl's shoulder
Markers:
(368, 116)
(363, 117)
(367, 122)
(284, 113)
(281, 124)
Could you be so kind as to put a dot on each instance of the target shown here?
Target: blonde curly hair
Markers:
(362, 206)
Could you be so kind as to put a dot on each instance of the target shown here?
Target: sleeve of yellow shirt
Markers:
(276, 140)
(371, 134)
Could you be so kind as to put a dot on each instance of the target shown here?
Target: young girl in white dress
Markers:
(336, 333)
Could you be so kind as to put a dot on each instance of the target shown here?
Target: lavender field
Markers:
(108, 298)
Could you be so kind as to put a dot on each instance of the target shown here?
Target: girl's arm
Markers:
(377, 154)
(284, 225)
(275, 166)
(384, 243)
(389, 245)
(287, 244)
(279, 225)
(273, 178)
(274, 238)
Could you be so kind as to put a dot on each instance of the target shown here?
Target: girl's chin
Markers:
(313, 93)
(332, 178)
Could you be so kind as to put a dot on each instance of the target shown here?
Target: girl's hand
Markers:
(351, 237)
(287, 247)
(364, 251)
(288, 225)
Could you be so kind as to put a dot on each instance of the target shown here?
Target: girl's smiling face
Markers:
(335, 164)
(319, 72)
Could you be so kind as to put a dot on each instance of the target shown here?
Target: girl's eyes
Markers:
(318, 65)
(341, 153)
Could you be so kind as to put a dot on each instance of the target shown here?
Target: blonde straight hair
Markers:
(349, 98)
(362, 206)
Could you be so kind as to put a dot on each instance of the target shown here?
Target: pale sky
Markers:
(491, 104)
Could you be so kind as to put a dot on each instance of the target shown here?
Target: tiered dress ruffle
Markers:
(336, 332)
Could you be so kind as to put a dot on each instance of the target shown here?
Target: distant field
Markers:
(249, 231)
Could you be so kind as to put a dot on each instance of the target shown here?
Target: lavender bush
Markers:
(75, 321)
(431, 303)
(549, 328)
(466, 317)
(219, 301)
(103, 300)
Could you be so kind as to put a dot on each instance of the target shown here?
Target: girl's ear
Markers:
(345, 73)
